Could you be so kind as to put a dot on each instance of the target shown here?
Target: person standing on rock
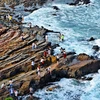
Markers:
(64, 55)
(45, 53)
(38, 70)
(30, 25)
(31, 90)
(49, 51)
(42, 62)
(10, 18)
(11, 83)
(22, 38)
(2, 85)
(62, 37)
(59, 36)
(46, 38)
(16, 94)
(49, 70)
(57, 56)
(32, 64)
(33, 46)
(12, 92)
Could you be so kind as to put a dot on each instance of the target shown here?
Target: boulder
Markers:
(84, 68)
(52, 88)
(53, 59)
(95, 47)
(25, 87)
(56, 8)
(83, 57)
(91, 39)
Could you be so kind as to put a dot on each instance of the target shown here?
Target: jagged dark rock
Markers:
(95, 47)
(91, 39)
(56, 8)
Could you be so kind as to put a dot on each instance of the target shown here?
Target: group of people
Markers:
(47, 52)
(12, 91)
(41, 63)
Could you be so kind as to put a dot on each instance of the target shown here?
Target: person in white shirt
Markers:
(33, 63)
(46, 38)
(16, 94)
(2, 85)
(33, 46)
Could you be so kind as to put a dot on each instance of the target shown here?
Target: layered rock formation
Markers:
(16, 55)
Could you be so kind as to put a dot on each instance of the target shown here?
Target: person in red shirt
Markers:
(45, 53)
(64, 54)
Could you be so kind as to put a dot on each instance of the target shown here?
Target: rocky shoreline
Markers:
(16, 56)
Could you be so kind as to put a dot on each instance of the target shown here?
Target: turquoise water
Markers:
(78, 24)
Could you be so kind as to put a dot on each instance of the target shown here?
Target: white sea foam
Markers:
(93, 89)
(74, 22)
(71, 89)
(68, 90)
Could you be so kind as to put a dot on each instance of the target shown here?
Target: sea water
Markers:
(78, 24)
(72, 89)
